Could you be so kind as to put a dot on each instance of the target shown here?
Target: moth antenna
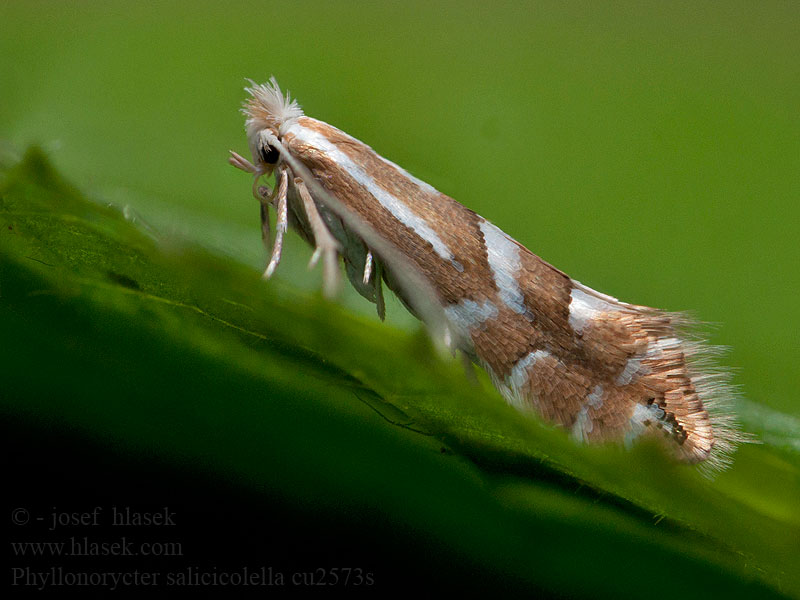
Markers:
(240, 162)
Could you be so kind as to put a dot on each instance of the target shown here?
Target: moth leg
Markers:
(281, 207)
(265, 196)
(449, 341)
(373, 265)
(326, 246)
(379, 303)
(469, 368)
(368, 267)
(265, 233)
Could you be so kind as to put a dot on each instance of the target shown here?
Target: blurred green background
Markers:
(650, 150)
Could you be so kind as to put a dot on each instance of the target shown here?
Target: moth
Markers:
(583, 360)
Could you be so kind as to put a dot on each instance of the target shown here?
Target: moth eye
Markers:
(269, 154)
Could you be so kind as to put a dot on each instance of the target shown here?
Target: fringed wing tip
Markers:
(716, 391)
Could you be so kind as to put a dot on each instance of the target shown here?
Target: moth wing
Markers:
(625, 370)
(417, 291)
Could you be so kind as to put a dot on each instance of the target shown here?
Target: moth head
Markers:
(269, 114)
(264, 148)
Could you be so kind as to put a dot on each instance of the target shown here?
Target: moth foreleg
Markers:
(326, 245)
(281, 207)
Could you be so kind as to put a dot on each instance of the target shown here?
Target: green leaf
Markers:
(163, 348)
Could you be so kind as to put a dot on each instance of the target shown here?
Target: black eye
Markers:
(269, 154)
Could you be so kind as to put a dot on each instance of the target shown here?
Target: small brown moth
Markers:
(601, 368)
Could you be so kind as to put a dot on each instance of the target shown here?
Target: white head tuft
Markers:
(269, 108)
